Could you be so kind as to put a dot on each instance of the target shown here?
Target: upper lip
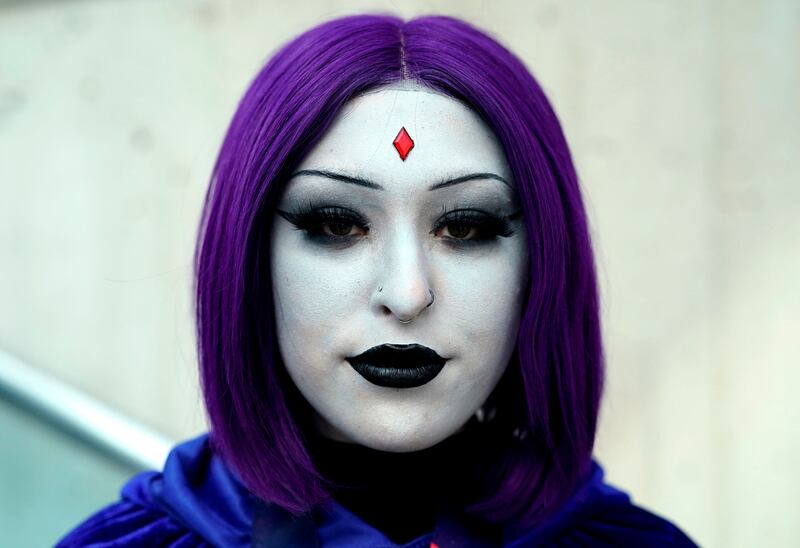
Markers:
(399, 355)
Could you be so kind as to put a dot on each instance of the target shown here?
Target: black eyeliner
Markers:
(310, 218)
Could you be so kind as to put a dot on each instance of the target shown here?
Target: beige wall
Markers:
(683, 119)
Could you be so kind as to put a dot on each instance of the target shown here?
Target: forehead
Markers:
(449, 139)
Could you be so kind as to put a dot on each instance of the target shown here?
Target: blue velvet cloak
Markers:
(198, 501)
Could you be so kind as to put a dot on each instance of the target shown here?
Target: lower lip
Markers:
(397, 377)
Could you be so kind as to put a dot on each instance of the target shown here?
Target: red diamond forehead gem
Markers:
(403, 143)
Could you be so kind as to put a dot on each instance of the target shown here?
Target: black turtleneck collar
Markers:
(400, 493)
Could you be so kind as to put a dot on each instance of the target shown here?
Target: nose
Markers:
(404, 288)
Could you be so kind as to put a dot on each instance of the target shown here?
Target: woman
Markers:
(397, 314)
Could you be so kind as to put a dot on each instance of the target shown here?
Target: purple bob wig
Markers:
(546, 405)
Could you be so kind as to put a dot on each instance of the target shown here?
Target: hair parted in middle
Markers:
(545, 406)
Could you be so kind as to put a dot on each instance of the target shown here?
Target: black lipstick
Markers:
(398, 365)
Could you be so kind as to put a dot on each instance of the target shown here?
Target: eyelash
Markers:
(311, 220)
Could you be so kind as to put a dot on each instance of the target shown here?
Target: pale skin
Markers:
(402, 240)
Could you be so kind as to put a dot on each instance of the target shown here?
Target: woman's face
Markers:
(361, 245)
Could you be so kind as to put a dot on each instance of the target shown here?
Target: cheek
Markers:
(313, 296)
(487, 297)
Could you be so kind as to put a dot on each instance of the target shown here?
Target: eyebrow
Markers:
(369, 184)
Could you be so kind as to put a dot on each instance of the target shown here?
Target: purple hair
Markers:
(546, 405)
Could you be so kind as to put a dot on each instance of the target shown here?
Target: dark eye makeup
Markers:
(335, 225)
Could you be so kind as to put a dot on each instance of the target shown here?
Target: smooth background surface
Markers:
(49, 480)
(683, 121)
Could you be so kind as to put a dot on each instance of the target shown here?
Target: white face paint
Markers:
(326, 291)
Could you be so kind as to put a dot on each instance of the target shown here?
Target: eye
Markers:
(339, 225)
(466, 227)
(327, 224)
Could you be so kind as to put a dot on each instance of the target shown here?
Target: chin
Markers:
(392, 439)
(394, 429)
(399, 444)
